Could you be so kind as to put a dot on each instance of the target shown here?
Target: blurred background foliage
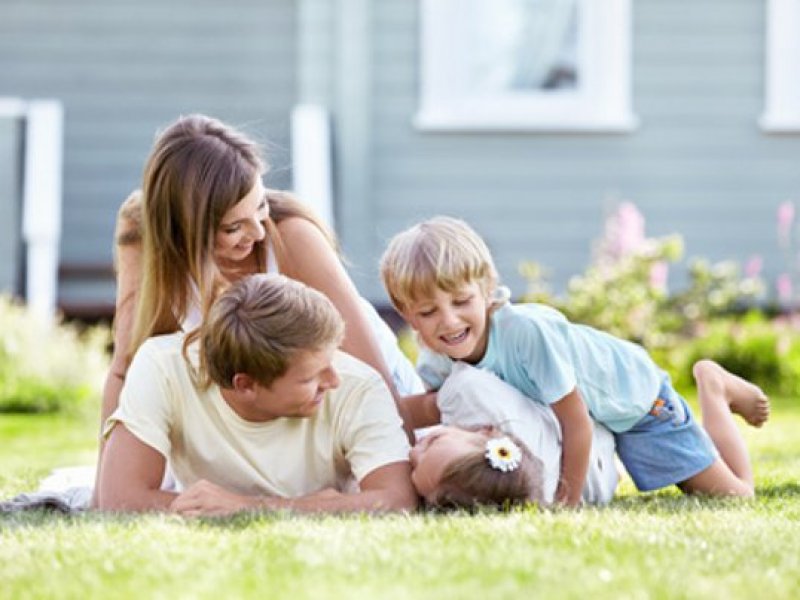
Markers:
(49, 367)
(721, 312)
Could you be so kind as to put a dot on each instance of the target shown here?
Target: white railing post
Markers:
(311, 159)
(41, 212)
(12, 114)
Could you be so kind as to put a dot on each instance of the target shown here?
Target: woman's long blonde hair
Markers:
(198, 169)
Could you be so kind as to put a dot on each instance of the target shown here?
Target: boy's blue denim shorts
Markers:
(667, 446)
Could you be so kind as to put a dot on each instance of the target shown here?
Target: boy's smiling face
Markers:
(453, 323)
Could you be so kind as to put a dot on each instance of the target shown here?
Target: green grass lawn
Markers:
(642, 546)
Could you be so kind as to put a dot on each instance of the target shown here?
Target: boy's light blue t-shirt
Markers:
(534, 348)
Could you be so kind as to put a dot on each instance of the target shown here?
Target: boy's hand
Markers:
(576, 432)
(420, 410)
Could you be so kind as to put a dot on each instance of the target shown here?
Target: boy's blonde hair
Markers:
(470, 481)
(441, 253)
(260, 323)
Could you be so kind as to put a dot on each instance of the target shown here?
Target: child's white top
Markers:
(472, 397)
(538, 351)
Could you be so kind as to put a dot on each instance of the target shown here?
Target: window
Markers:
(782, 93)
(540, 65)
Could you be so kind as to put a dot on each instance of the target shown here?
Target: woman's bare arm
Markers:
(127, 259)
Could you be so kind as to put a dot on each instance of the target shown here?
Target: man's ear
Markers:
(243, 383)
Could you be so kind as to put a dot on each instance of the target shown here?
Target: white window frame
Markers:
(782, 81)
(602, 102)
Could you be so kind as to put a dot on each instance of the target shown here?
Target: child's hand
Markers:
(563, 497)
(420, 410)
(576, 431)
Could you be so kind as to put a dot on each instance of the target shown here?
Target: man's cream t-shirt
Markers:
(355, 430)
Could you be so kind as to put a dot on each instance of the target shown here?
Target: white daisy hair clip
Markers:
(503, 454)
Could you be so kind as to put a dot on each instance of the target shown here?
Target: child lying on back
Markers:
(497, 447)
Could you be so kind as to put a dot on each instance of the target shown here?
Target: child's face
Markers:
(436, 451)
(453, 323)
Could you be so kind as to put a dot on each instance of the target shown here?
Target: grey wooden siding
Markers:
(10, 225)
(126, 68)
(697, 165)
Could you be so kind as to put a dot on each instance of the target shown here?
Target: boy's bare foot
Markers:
(743, 398)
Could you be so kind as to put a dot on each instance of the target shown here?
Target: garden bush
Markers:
(48, 367)
(624, 289)
(718, 314)
(764, 351)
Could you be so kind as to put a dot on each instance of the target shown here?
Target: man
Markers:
(262, 412)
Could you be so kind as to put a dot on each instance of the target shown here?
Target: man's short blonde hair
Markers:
(441, 253)
(260, 323)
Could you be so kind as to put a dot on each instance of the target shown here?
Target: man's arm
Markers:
(386, 489)
(130, 475)
(576, 433)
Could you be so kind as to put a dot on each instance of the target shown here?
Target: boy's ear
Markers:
(408, 318)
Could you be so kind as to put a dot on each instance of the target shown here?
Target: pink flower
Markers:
(752, 267)
(785, 220)
(783, 285)
(658, 276)
(625, 230)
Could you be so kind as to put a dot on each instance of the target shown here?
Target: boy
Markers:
(441, 278)
(267, 414)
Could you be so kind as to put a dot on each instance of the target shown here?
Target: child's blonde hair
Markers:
(470, 481)
(260, 323)
(440, 253)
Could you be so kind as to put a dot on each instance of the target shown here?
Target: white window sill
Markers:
(12, 107)
(779, 123)
(437, 121)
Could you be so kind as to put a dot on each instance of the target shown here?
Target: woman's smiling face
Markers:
(242, 226)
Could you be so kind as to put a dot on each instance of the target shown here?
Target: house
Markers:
(693, 114)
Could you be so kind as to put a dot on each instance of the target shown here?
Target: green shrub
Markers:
(623, 292)
(617, 296)
(762, 351)
(46, 367)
